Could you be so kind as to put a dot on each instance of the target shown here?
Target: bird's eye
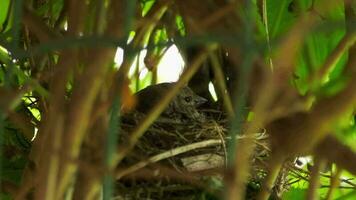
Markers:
(188, 99)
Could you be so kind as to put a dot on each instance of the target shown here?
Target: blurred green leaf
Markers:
(294, 194)
(333, 87)
(16, 18)
(279, 19)
(317, 47)
(51, 8)
(180, 25)
(11, 170)
(4, 9)
(130, 12)
(2, 133)
(351, 195)
(4, 56)
(5, 196)
(146, 6)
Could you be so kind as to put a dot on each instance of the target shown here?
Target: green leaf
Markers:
(146, 6)
(334, 86)
(4, 9)
(318, 45)
(129, 15)
(279, 19)
(5, 196)
(180, 25)
(294, 194)
(4, 56)
(351, 195)
(11, 170)
(52, 8)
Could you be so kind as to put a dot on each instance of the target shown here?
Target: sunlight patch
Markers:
(168, 70)
(212, 91)
(170, 66)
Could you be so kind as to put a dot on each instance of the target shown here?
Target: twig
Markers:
(334, 183)
(314, 178)
(36, 26)
(168, 154)
(220, 79)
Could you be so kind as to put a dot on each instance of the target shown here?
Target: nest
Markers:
(178, 159)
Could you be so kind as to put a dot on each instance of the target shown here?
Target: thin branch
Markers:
(36, 26)
(334, 151)
(167, 154)
(334, 183)
(222, 84)
(314, 181)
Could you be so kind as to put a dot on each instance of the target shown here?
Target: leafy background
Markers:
(21, 89)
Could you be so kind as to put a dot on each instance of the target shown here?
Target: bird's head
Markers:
(186, 102)
(186, 97)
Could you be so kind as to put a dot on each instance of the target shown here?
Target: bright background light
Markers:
(169, 68)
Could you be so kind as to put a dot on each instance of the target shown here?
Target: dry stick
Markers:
(217, 15)
(274, 165)
(54, 161)
(101, 16)
(154, 15)
(325, 112)
(334, 183)
(80, 108)
(220, 133)
(167, 154)
(76, 19)
(76, 16)
(38, 154)
(172, 153)
(265, 22)
(66, 173)
(314, 183)
(37, 27)
(276, 82)
(27, 43)
(334, 151)
(222, 85)
(88, 181)
(160, 106)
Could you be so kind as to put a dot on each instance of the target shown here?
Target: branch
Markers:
(333, 150)
(37, 27)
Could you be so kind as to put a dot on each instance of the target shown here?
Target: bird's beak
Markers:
(200, 101)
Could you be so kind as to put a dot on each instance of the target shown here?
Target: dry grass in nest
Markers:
(178, 159)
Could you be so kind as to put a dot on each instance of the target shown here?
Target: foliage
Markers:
(290, 64)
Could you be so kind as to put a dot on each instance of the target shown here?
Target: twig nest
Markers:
(206, 141)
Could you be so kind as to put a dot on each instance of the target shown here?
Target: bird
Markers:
(182, 107)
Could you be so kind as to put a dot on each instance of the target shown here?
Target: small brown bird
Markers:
(183, 106)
